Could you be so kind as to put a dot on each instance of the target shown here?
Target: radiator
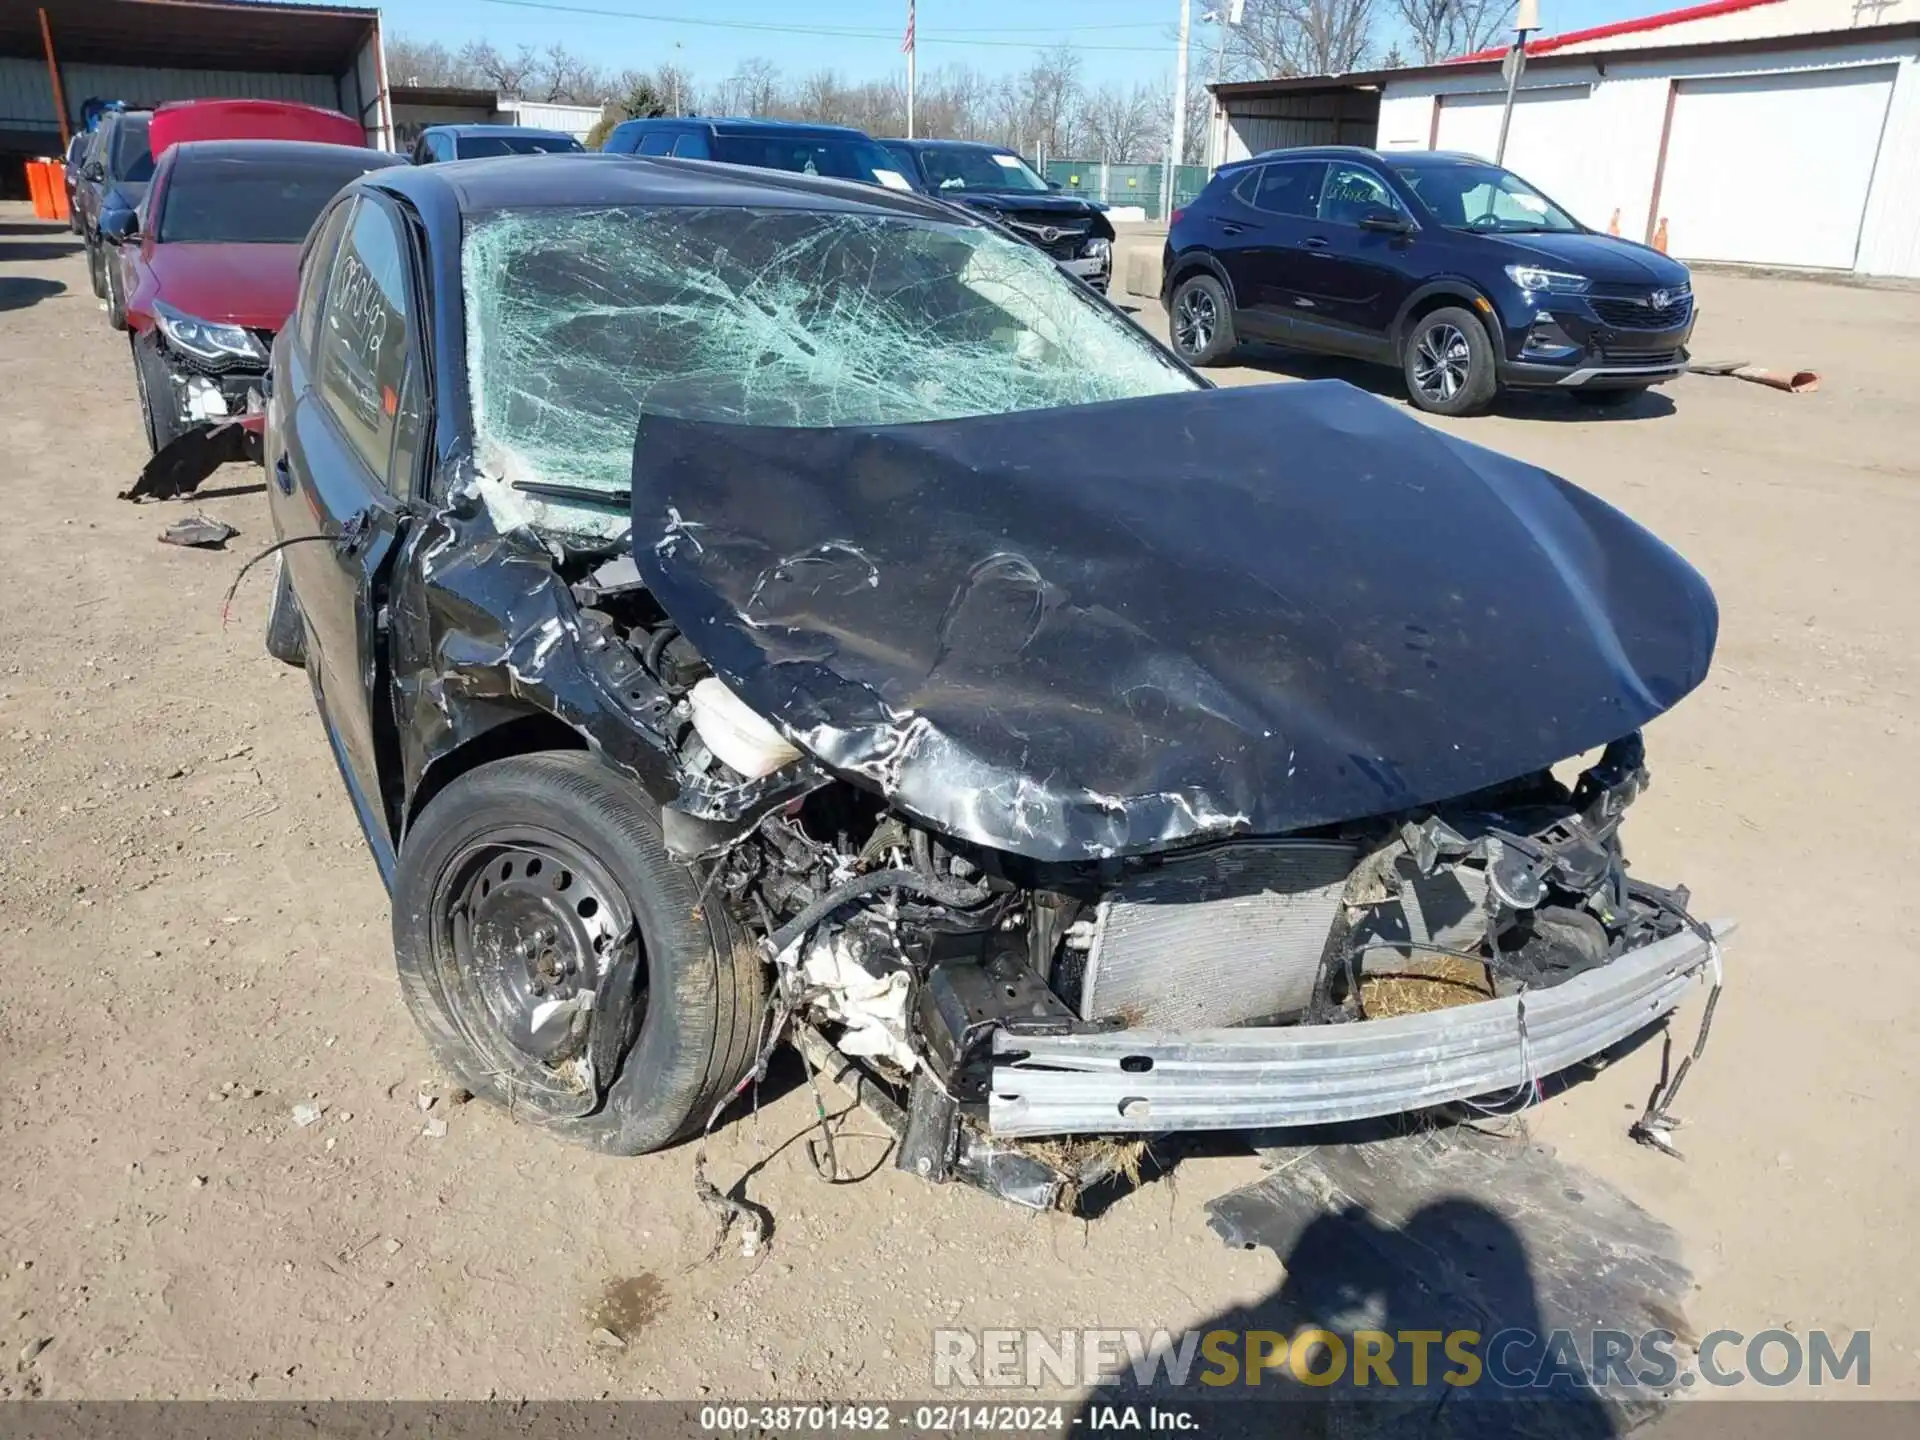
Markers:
(1447, 908)
(1216, 938)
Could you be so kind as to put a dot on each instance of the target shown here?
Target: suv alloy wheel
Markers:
(1448, 361)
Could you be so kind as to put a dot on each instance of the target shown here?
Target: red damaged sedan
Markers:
(214, 267)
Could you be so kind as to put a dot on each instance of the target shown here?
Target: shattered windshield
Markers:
(578, 321)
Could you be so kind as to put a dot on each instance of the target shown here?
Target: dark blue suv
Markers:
(831, 150)
(1455, 270)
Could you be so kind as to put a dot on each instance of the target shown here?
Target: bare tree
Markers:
(818, 98)
(675, 85)
(425, 62)
(507, 74)
(565, 78)
(1300, 37)
(757, 86)
(1050, 94)
(1121, 124)
(1441, 29)
(961, 95)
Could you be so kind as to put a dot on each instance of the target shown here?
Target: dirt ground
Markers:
(193, 941)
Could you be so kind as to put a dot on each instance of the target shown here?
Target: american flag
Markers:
(907, 44)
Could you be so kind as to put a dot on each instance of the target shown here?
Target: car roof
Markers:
(461, 131)
(284, 151)
(1307, 152)
(925, 144)
(596, 178)
(1419, 159)
(751, 124)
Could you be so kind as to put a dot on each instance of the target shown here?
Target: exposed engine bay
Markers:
(925, 959)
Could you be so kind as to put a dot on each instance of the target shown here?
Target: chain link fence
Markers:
(1128, 185)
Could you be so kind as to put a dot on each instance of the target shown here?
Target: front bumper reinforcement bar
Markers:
(1158, 1081)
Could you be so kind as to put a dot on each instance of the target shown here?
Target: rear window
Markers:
(480, 147)
(228, 200)
(1289, 189)
(129, 159)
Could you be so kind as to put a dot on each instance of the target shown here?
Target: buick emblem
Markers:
(1660, 299)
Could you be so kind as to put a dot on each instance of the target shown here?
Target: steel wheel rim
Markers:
(1194, 320)
(527, 922)
(1441, 361)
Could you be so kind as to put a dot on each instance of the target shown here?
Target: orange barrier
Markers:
(47, 185)
(37, 189)
(57, 189)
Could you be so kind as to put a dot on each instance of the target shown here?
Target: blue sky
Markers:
(1120, 40)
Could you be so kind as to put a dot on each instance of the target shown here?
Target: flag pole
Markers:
(911, 47)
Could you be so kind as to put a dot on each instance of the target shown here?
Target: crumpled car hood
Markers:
(1117, 627)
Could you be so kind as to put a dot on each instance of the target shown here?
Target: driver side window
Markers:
(313, 276)
(364, 339)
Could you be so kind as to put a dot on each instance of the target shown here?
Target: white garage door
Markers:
(1551, 127)
(1773, 169)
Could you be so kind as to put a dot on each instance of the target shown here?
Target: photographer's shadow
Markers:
(1442, 1317)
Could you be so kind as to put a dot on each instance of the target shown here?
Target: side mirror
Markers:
(1054, 185)
(117, 227)
(1386, 222)
(93, 170)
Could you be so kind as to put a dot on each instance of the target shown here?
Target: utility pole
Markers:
(1232, 15)
(1526, 20)
(1179, 146)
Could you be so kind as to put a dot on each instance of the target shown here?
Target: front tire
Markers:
(1448, 362)
(1200, 319)
(522, 882)
(96, 270)
(116, 302)
(163, 427)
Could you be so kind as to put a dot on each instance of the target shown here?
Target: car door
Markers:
(1262, 226)
(1354, 278)
(93, 177)
(349, 430)
(136, 256)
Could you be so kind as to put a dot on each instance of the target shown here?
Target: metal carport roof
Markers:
(261, 35)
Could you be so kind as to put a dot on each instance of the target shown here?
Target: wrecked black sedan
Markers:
(751, 608)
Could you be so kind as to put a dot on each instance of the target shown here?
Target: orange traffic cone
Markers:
(1660, 236)
(1613, 225)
